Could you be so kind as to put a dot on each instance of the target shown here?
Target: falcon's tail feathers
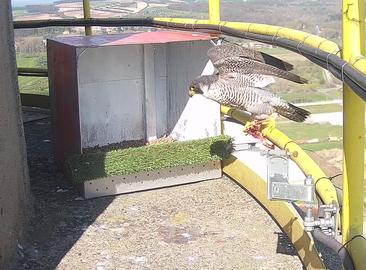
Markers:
(293, 113)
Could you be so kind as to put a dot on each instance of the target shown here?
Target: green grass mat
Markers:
(147, 158)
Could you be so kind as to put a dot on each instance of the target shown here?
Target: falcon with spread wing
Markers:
(240, 74)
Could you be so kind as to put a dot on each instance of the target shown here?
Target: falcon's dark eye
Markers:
(192, 88)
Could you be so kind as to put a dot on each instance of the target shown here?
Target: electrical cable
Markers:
(338, 67)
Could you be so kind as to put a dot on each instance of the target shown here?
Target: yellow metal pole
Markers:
(87, 15)
(353, 131)
(214, 11)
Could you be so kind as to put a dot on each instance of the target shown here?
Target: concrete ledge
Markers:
(150, 180)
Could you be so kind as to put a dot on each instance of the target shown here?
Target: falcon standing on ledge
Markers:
(240, 74)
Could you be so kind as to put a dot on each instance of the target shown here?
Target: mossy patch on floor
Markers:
(90, 166)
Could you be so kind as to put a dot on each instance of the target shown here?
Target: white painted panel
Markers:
(110, 63)
(185, 61)
(160, 59)
(150, 96)
(161, 89)
(200, 119)
(111, 112)
(161, 106)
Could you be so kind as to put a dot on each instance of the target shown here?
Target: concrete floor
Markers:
(208, 225)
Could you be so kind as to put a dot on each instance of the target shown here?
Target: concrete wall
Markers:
(14, 181)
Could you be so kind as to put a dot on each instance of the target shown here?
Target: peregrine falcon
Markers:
(238, 93)
(238, 81)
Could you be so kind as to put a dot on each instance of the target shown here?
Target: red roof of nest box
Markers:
(134, 38)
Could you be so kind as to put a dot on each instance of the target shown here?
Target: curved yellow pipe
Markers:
(271, 30)
(358, 62)
(324, 186)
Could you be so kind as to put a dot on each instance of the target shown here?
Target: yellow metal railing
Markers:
(353, 136)
(324, 187)
(87, 15)
(353, 115)
(214, 11)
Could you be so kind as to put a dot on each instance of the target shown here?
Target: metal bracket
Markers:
(278, 185)
(327, 223)
(279, 188)
(288, 192)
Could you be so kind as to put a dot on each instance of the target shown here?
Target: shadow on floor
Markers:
(284, 245)
(60, 215)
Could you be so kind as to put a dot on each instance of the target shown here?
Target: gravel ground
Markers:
(208, 225)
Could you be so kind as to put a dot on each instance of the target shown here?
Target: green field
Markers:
(33, 85)
(19, 12)
(301, 131)
(322, 146)
(324, 108)
(168, 12)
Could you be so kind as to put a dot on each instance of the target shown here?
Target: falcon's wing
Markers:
(249, 66)
(231, 49)
(254, 80)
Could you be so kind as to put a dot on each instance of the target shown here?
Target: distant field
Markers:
(324, 108)
(301, 131)
(322, 146)
(167, 12)
(19, 12)
(33, 85)
(299, 96)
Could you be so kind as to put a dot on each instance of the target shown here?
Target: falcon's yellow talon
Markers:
(269, 123)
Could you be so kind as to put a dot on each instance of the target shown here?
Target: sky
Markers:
(19, 3)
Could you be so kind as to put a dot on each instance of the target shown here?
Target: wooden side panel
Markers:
(64, 99)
